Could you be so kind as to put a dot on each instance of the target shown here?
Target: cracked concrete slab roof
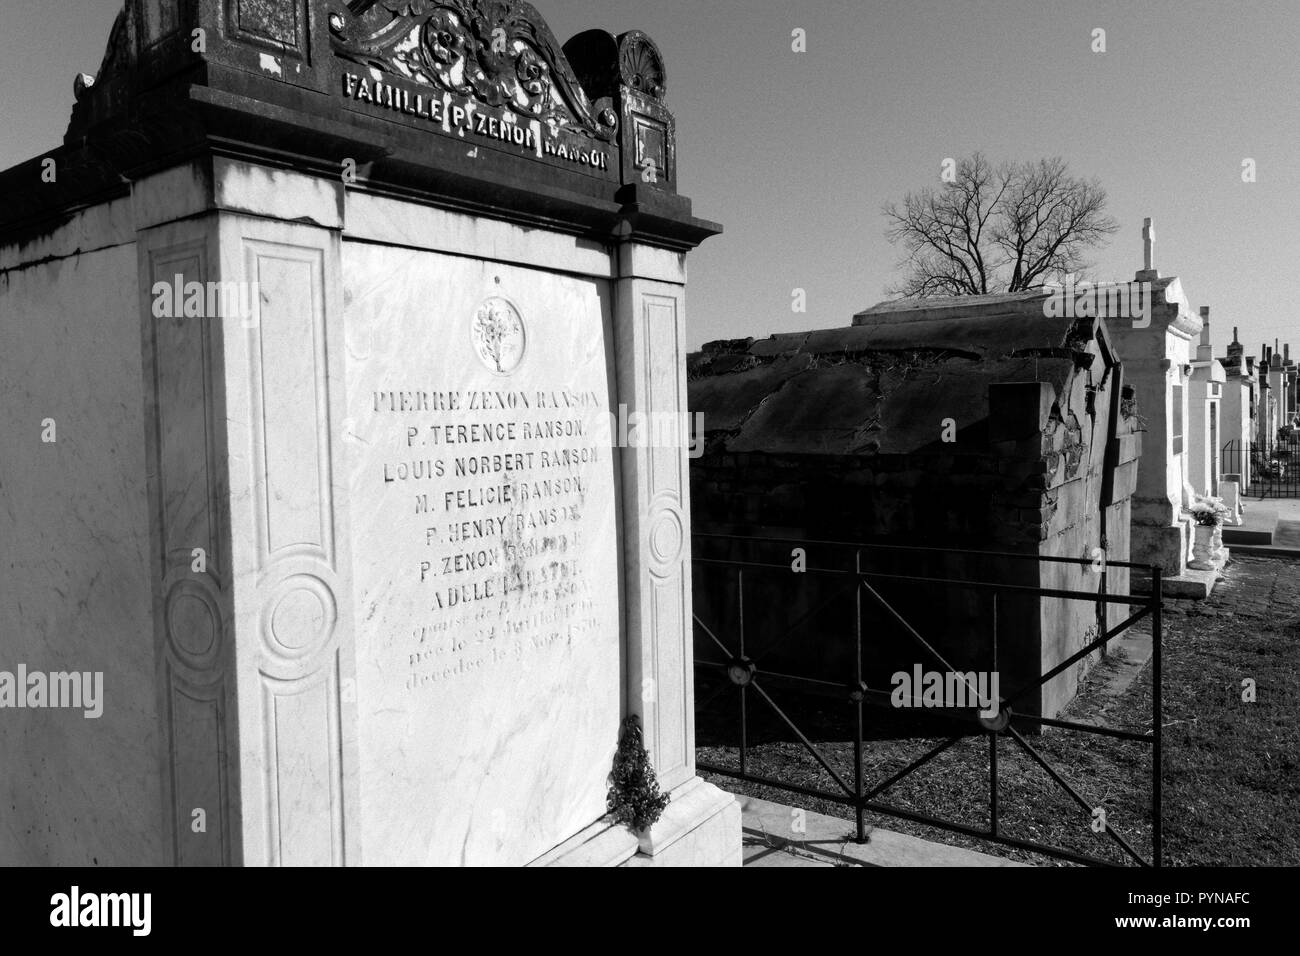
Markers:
(883, 387)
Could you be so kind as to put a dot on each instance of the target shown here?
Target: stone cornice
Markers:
(465, 104)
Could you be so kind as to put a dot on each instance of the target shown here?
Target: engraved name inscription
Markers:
(460, 116)
(494, 489)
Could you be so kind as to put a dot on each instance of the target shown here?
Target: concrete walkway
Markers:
(777, 835)
(1288, 509)
(1271, 528)
(1252, 591)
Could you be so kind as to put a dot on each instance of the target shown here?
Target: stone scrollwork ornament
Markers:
(497, 52)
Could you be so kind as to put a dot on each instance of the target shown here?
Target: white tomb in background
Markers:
(1238, 414)
(1157, 359)
(1205, 406)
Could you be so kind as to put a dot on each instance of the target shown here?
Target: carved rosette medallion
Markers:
(300, 618)
(667, 534)
(193, 620)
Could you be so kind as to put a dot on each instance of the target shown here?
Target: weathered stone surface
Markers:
(75, 559)
(1156, 366)
(467, 601)
(368, 569)
(977, 423)
(514, 133)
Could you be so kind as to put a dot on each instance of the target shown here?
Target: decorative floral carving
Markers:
(499, 337)
(533, 72)
(498, 52)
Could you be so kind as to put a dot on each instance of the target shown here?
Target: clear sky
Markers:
(796, 152)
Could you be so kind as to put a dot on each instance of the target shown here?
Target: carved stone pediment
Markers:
(497, 52)
(469, 103)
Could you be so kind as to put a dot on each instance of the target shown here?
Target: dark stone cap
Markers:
(471, 104)
(883, 386)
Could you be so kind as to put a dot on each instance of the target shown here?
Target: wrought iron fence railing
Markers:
(757, 672)
(1266, 469)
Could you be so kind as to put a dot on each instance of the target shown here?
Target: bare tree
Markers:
(1003, 229)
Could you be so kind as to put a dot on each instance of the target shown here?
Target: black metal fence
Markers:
(734, 656)
(1268, 469)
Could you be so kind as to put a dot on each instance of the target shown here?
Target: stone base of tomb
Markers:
(1200, 557)
(700, 827)
(1258, 529)
(1166, 546)
(1193, 584)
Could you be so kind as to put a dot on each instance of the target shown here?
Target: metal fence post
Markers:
(1157, 635)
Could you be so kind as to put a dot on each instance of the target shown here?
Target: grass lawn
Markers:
(1232, 769)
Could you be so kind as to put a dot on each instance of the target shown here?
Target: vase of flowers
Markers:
(1207, 549)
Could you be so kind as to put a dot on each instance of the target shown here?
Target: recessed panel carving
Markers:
(182, 388)
(290, 409)
(279, 21)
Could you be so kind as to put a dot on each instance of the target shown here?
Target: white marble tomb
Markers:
(365, 576)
